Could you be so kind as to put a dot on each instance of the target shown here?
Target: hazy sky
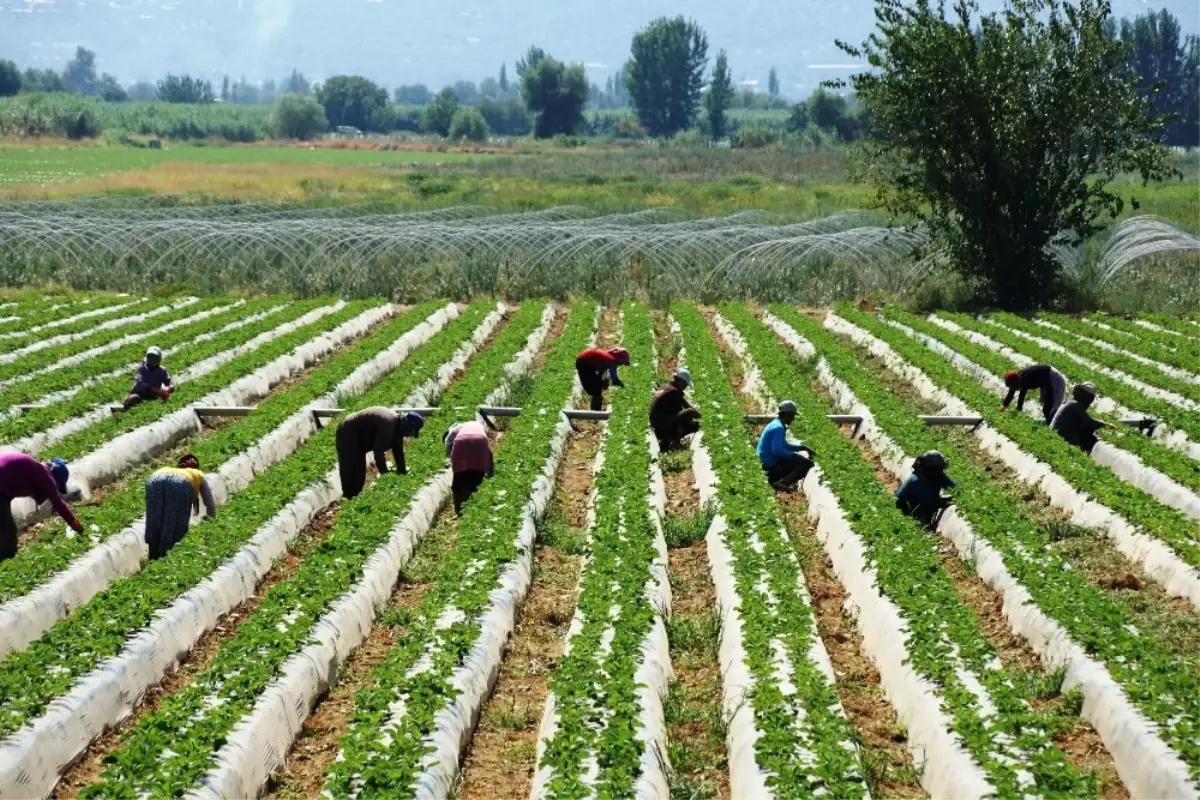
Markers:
(434, 42)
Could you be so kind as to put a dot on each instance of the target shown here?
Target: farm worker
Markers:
(173, 494)
(671, 415)
(470, 455)
(25, 476)
(1043, 377)
(1074, 424)
(920, 496)
(372, 430)
(781, 459)
(151, 380)
(591, 366)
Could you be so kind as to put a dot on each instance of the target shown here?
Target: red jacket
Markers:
(597, 359)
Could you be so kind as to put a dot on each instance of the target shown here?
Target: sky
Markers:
(437, 43)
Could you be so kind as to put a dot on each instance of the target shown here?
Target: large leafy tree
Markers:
(720, 95)
(298, 117)
(666, 74)
(185, 89)
(554, 93)
(1002, 133)
(10, 79)
(353, 101)
(439, 112)
(80, 73)
(1169, 64)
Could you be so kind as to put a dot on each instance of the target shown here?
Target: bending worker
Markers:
(25, 476)
(920, 496)
(1074, 424)
(1049, 382)
(173, 494)
(372, 430)
(671, 415)
(781, 459)
(151, 380)
(470, 454)
(593, 364)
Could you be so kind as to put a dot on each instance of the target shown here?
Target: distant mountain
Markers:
(433, 41)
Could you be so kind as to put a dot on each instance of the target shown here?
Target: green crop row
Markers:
(37, 312)
(1105, 358)
(37, 386)
(596, 693)
(192, 390)
(1099, 623)
(55, 550)
(173, 747)
(1186, 327)
(29, 680)
(1177, 351)
(805, 742)
(83, 328)
(487, 534)
(1154, 519)
(1011, 742)
(1173, 463)
(113, 390)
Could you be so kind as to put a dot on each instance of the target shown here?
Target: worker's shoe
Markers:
(780, 486)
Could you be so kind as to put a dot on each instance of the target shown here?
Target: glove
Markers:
(1003, 409)
(76, 525)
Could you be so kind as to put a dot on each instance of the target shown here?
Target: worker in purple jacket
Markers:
(25, 476)
(152, 380)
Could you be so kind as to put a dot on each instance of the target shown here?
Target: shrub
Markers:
(296, 117)
(10, 79)
(468, 123)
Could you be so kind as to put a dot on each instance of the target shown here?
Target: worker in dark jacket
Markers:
(592, 366)
(372, 430)
(671, 415)
(25, 476)
(152, 380)
(780, 458)
(1048, 381)
(1074, 424)
(920, 496)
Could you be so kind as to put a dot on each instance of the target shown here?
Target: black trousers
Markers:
(671, 431)
(789, 471)
(593, 382)
(8, 529)
(464, 485)
(352, 465)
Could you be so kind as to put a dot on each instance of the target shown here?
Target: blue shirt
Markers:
(773, 445)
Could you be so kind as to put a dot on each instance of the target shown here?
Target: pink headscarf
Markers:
(620, 354)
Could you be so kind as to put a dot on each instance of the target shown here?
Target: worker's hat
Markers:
(787, 407)
(683, 375)
(1087, 388)
(620, 354)
(415, 423)
(935, 459)
(154, 351)
(58, 468)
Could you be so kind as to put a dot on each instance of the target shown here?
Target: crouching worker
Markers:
(781, 459)
(591, 365)
(470, 455)
(25, 476)
(671, 415)
(372, 430)
(920, 496)
(152, 380)
(173, 494)
(1074, 424)
(1048, 381)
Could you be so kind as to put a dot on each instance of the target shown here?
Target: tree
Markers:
(42, 80)
(1002, 132)
(110, 91)
(555, 94)
(296, 83)
(416, 94)
(80, 73)
(505, 117)
(798, 119)
(142, 91)
(529, 60)
(720, 95)
(439, 113)
(468, 123)
(1170, 67)
(353, 101)
(298, 117)
(503, 80)
(489, 89)
(773, 83)
(225, 94)
(466, 92)
(667, 73)
(185, 89)
(10, 79)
